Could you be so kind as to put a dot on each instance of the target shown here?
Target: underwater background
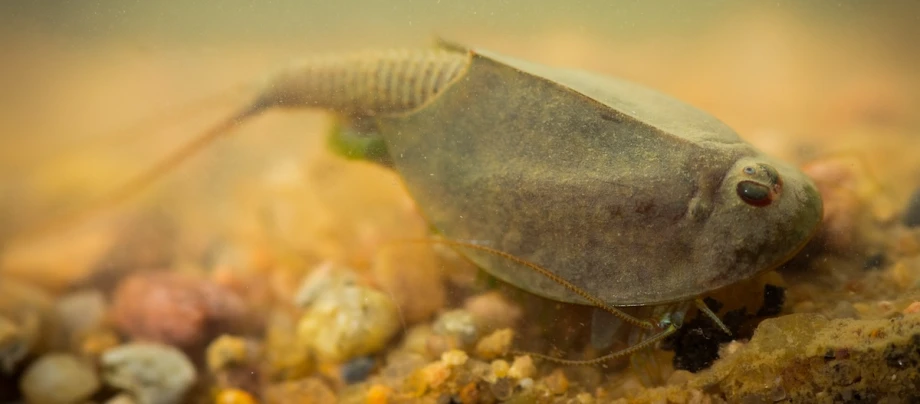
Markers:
(220, 263)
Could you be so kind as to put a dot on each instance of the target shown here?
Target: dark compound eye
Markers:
(754, 194)
(749, 170)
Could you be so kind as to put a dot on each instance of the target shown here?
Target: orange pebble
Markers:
(378, 394)
(234, 396)
(469, 394)
(913, 308)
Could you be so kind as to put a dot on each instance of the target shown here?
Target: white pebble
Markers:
(454, 357)
(526, 383)
(348, 321)
(81, 311)
(459, 323)
(59, 378)
(152, 373)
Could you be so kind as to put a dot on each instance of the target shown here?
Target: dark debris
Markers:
(773, 299)
(903, 357)
(358, 369)
(696, 344)
(875, 261)
(449, 399)
(912, 212)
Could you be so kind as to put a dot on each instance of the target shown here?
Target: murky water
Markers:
(93, 93)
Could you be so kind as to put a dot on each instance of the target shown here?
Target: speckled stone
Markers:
(346, 321)
(152, 373)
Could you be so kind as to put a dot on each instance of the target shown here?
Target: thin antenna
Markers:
(147, 177)
(154, 122)
(613, 355)
(545, 272)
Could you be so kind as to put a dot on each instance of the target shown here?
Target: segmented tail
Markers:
(361, 84)
(364, 84)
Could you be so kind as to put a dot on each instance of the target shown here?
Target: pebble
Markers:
(303, 391)
(905, 273)
(499, 369)
(248, 378)
(885, 307)
(286, 358)
(175, 309)
(98, 341)
(416, 338)
(522, 367)
(437, 344)
(845, 309)
(731, 348)
(435, 374)
(493, 311)
(469, 393)
(227, 351)
(454, 357)
(479, 370)
(502, 388)
(379, 394)
(25, 317)
(357, 370)
(842, 185)
(79, 313)
(681, 377)
(235, 363)
(16, 340)
(556, 382)
(348, 321)
(416, 383)
(411, 274)
(526, 383)
(459, 324)
(400, 365)
(121, 399)
(912, 308)
(495, 345)
(233, 396)
(321, 279)
(59, 378)
(584, 398)
(152, 373)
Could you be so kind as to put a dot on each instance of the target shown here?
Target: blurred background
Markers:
(95, 91)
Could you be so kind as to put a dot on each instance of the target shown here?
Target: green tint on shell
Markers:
(625, 192)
